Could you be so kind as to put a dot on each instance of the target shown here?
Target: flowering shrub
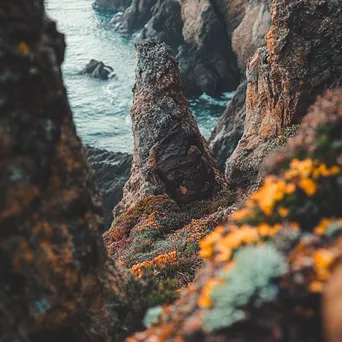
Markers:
(266, 270)
(157, 237)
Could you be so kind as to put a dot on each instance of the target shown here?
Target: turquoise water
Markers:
(101, 108)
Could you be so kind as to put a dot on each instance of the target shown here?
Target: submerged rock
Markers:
(112, 170)
(170, 155)
(97, 69)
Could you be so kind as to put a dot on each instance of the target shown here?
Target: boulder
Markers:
(97, 69)
(170, 156)
(112, 170)
(298, 63)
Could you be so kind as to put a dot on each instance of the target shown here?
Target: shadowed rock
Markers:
(170, 155)
(98, 69)
(56, 281)
(112, 170)
(229, 128)
(299, 63)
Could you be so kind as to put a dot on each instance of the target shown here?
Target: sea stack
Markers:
(170, 155)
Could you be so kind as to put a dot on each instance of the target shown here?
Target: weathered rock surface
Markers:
(113, 5)
(267, 270)
(229, 128)
(97, 69)
(250, 34)
(56, 280)
(170, 155)
(206, 61)
(299, 62)
(165, 24)
(136, 15)
(112, 170)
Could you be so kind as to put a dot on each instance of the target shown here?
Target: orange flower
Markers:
(283, 211)
(308, 185)
(204, 300)
(316, 286)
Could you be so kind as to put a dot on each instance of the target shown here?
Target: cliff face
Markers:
(56, 281)
(170, 156)
(285, 77)
(214, 38)
(112, 170)
(267, 270)
(229, 128)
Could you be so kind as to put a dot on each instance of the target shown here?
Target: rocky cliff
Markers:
(112, 171)
(56, 280)
(284, 78)
(170, 156)
(214, 38)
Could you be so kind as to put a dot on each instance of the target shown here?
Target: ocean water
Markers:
(101, 108)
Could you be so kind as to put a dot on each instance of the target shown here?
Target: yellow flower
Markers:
(308, 185)
(290, 188)
(335, 170)
(264, 229)
(322, 227)
(249, 235)
(323, 260)
(204, 301)
(316, 286)
(23, 49)
(283, 211)
(240, 214)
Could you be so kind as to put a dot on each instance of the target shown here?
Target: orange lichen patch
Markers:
(17, 199)
(204, 300)
(23, 49)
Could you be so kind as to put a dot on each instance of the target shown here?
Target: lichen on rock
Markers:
(170, 156)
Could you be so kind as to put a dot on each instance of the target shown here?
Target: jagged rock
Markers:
(112, 170)
(207, 62)
(97, 69)
(285, 77)
(267, 270)
(166, 23)
(136, 16)
(56, 280)
(113, 5)
(250, 34)
(170, 155)
(229, 128)
(231, 13)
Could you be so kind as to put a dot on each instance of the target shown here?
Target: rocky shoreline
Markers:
(193, 254)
